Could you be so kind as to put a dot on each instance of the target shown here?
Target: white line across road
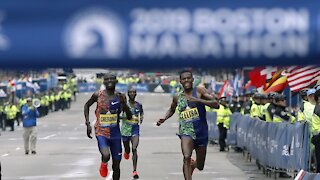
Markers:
(4, 155)
(47, 137)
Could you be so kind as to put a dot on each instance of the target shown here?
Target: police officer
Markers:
(235, 106)
(282, 113)
(315, 128)
(255, 107)
(249, 101)
(264, 102)
(300, 114)
(11, 111)
(309, 105)
(223, 121)
(271, 109)
(241, 102)
(2, 115)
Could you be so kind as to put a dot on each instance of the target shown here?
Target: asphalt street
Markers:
(64, 151)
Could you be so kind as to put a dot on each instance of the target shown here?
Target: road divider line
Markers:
(47, 137)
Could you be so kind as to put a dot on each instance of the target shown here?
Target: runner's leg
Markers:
(135, 143)
(116, 169)
(116, 151)
(201, 153)
(187, 148)
(126, 145)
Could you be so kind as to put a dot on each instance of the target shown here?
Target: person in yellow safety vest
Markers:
(11, 112)
(263, 108)
(52, 100)
(74, 87)
(57, 101)
(315, 128)
(2, 115)
(309, 105)
(249, 101)
(47, 102)
(282, 114)
(22, 101)
(255, 108)
(65, 86)
(43, 104)
(121, 80)
(223, 121)
(69, 95)
(173, 84)
(300, 114)
(241, 102)
(65, 99)
(234, 105)
(270, 107)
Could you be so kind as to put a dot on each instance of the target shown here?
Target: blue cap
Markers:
(318, 88)
(310, 91)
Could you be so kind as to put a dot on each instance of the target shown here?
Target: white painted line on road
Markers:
(4, 155)
(75, 138)
(158, 138)
(47, 137)
(14, 139)
(80, 168)
(18, 148)
(174, 124)
(181, 173)
(64, 124)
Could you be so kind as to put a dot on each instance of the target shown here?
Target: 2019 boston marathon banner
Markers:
(147, 33)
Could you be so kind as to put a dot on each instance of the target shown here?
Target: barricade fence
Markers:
(275, 145)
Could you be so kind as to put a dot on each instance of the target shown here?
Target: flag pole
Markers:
(290, 99)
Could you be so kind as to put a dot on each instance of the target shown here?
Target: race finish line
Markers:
(166, 34)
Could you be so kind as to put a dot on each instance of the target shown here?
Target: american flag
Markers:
(300, 77)
(226, 90)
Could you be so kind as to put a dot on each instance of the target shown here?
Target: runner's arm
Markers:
(206, 98)
(92, 100)
(171, 110)
(124, 106)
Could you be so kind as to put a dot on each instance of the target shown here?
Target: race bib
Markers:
(134, 120)
(190, 114)
(108, 119)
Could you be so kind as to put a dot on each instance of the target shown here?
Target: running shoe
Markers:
(126, 156)
(103, 169)
(135, 175)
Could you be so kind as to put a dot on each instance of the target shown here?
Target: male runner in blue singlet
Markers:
(193, 128)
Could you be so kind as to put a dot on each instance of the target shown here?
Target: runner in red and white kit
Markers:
(109, 106)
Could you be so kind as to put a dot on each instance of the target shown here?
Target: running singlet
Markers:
(107, 113)
(131, 127)
(192, 118)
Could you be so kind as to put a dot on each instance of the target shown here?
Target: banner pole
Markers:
(290, 99)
